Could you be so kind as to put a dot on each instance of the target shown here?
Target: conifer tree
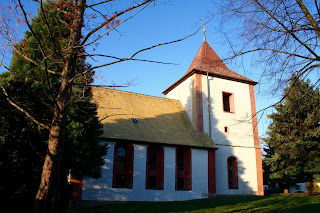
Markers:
(294, 134)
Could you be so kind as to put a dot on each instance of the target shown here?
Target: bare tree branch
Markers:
(273, 50)
(287, 30)
(313, 22)
(24, 111)
(32, 61)
(34, 34)
(113, 18)
(3, 53)
(114, 27)
(277, 35)
(136, 53)
(126, 59)
(103, 2)
(51, 35)
(166, 43)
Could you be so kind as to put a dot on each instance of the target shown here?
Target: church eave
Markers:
(183, 78)
(212, 147)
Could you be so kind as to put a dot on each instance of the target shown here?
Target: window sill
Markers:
(234, 188)
(228, 112)
(154, 189)
(121, 187)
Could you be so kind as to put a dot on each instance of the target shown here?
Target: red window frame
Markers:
(123, 177)
(211, 173)
(183, 177)
(232, 167)
(154, 173)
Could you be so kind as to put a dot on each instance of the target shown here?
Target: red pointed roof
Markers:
(207, 61)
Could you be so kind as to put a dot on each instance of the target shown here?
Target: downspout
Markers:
(208, 100)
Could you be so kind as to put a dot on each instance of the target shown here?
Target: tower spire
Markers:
(204, 31)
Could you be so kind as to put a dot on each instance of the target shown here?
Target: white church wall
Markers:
(239, 137)
(247, 178)
(238, 122)
(183, 93)
(101, 189)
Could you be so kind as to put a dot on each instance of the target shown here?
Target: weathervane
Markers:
(204, 30)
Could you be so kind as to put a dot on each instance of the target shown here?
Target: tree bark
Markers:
(48, 198)
(309, 188)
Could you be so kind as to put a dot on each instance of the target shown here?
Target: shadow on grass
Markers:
(270, 203)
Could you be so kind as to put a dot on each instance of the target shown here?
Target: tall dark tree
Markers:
(22, 149)
(294, 134)
(24, 143)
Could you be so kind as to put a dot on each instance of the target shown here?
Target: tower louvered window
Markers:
(227, 99)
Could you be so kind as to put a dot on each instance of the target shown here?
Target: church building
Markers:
(200, 141)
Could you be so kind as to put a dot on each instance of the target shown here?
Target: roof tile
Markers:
(159, 120)
(207, 60)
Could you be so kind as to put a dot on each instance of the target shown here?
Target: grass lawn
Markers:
(270, 203)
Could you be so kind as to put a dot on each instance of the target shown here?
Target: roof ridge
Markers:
(137, 94)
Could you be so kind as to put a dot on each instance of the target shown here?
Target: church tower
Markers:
(221, 103)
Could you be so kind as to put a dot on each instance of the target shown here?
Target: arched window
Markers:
(154, 172)
(232, 173)
(183, 169)
(123, 166)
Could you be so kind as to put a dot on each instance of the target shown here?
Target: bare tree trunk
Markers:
(48, 198)
(309, 187)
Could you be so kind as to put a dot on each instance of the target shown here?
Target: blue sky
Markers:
(165, 22)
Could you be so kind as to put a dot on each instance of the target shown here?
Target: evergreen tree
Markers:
(23, 144)
(294, 135)
(276, 185)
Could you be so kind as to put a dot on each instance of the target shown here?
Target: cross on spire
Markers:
(204, 30)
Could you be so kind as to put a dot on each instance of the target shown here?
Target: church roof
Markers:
(208, 62)
(146, 119)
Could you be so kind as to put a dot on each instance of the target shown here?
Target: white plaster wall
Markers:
(239, 122)
(205, 95)
(183, 93)
(247, 175)
(101, 189)
(238, 142)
